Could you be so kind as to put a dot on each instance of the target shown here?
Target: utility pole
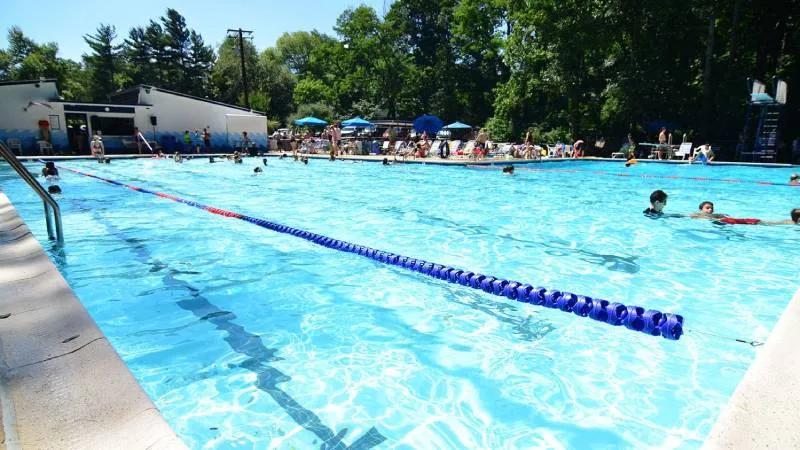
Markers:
(240, 32)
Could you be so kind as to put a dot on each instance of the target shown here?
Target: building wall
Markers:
(22, 106)
(176, 114)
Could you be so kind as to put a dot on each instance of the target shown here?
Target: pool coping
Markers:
(62, 384)
(764, 410)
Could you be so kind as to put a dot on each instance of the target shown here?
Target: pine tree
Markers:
(103, 64)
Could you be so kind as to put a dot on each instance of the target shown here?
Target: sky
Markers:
(66, 22)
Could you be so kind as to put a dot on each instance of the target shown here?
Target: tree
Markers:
(200, 61)
(104, 62)
(226, 76)
(176, 50)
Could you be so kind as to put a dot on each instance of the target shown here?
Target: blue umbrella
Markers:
(457, 126)
(356, 122)
(428, 123)
(310, 122)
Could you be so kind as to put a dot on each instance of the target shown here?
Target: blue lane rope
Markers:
(636, 318)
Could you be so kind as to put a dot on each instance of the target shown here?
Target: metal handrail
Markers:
(47, 199)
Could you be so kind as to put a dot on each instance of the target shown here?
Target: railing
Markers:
(47, 199)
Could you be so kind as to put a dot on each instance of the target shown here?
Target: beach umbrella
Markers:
(356, 122)
(310, 122)
(458, 126)
(428, 123)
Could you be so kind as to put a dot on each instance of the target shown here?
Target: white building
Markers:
(31, 112)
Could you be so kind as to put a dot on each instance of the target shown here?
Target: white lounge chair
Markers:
(684, 150)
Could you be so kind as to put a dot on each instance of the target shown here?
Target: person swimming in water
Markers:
(257, 170)
(264, 161)
(53, 189)
(49, 171)
(794, 180)
(794, 219)
(706, 211)
(658, 200)
(508, 170)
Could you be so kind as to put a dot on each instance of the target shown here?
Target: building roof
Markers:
(167, 91)
(42, 80)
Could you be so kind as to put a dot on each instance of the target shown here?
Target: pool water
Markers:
(244, 337)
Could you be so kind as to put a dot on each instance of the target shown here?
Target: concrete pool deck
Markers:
(452, 161)
(62, 385)
(764, 411)
(65, 392)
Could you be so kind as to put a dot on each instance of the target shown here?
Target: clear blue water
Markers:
(248, 338)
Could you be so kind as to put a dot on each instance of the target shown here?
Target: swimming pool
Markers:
(248, 338)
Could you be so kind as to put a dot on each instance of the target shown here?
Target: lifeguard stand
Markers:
(760, 133)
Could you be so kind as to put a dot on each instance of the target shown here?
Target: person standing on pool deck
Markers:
(658, 200)
(336, 136)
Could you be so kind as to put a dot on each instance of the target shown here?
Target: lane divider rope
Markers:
(642, 175)
(636, 318)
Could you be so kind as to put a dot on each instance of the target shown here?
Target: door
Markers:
(77, 133)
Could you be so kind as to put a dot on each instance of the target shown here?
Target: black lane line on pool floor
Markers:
(246, 343)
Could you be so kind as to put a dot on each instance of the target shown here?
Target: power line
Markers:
(240, 32)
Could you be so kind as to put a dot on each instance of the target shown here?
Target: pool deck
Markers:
(62, 385)
(452, 161)
(764, 411)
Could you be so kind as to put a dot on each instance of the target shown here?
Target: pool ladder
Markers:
(50, 205)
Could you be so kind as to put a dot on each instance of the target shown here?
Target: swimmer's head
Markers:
(385, 161)
(795, 177)
(257, 170)
(658, 199)
(264, 161)
(53, 189)
(706, 208)
(795, 214)
(508, 169)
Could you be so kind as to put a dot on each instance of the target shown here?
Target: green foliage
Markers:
(309, 90)
(318, 110)
(104, 64)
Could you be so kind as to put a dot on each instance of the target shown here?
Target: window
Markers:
(113, 126)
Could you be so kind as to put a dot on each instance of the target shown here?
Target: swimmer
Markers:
(509, 170)
(305, 160)
(178, 158)
(794, 180)
(264, 161)
(211, 159)
(706, 211)
(53, 189)
(257, 170)
(794, 219)
(49, 169)
(631, 160)
(107, 161)
(283, 155)
(385, 161)
(658, 200)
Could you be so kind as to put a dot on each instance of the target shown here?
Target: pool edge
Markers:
(62, 385)
(764, 410)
